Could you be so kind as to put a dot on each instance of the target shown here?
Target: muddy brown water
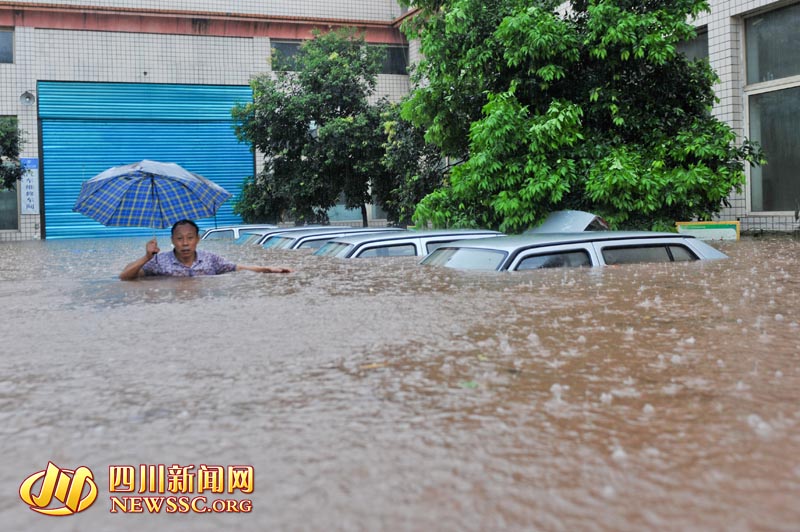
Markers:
(376, 394)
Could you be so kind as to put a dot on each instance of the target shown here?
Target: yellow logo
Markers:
(65, 485)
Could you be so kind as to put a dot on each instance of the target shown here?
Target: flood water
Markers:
(375, 394)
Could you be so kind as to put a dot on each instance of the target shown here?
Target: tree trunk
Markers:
(364, 220)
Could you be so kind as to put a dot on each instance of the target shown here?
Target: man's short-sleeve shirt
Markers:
(206, 263)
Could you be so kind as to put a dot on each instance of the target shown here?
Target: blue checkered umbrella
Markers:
(149, 194)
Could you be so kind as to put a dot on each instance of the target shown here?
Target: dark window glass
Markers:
(9, 206)
(773, 123)
(567, 259)
(395, 60)
(6, 46)
(9, 209)
(773, 44)
(681, 254)
(636, 254)
(696, 48)
(283, 54)
(313, 244)
(400, 250)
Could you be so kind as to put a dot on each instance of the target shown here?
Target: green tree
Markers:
(583, 105)
(415, 168)
(11, 142)
(320, 137)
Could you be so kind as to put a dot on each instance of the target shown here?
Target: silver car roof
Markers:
(241, 226)
(397, 235)
(512, 243)
(274, 230)
(311, 231)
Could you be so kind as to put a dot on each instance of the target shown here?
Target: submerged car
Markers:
(232, 232)
(258, 236)
(563, 250)
(398, 244)
(316, 238)
(570, 222)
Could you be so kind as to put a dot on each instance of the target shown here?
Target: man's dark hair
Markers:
(185, 222)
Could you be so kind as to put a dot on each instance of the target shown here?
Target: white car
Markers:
(258, 236)
(316, 238)
(232, 232)
(398, 244)
(559, 250)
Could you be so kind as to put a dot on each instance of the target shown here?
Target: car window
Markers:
(431, 246)
(466, 258)
(564, 259)
(646, 253)
(277, 242)
(271, 242)
(332, 249)
(247, 238)
(312, 244)
(218, 235)
(681, 253)
(397, 250)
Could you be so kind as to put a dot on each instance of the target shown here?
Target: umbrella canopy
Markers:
(149, 194)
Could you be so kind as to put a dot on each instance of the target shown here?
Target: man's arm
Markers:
(134, 269)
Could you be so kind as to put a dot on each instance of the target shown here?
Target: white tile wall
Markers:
(383, 10)
(726, 39)
(101, 56)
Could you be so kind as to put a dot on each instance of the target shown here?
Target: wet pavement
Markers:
(375, 394)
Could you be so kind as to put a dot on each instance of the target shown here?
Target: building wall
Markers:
(726, 39)
(118, 41)
(383, 10)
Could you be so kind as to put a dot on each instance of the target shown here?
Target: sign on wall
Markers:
(710, 230)
(29, 192)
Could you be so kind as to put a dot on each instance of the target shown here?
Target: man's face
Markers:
(185, 240)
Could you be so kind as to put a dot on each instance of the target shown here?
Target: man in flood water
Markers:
(185, 260)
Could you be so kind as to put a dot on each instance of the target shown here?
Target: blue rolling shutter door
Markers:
(89, 127)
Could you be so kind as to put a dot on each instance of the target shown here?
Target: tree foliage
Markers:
(414, 168)
(320, 137)
(11, 142)
(585, 104)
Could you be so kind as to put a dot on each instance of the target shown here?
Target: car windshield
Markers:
(332, 249)
(466, 258)
(276, 242)
(218, 234)
(247, 238)
(312, 244)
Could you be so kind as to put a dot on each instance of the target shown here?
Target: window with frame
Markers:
(772, 52)
(647, 253)
(395, 60)
(283, 54)
(396, 250)
(9, 210)
(562, 259)
(6, 45)
(9, 198)
(696, 48)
